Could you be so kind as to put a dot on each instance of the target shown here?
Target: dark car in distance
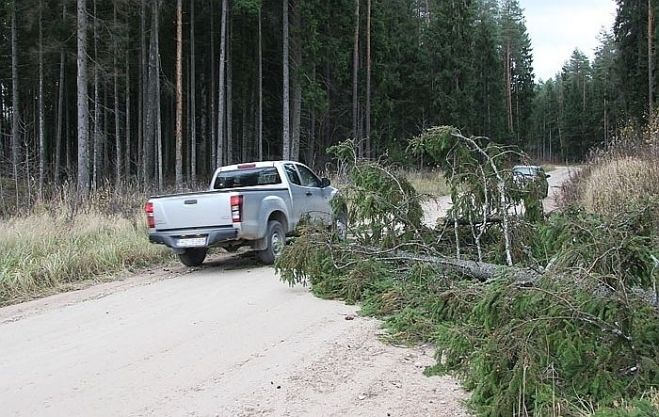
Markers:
(526, 175)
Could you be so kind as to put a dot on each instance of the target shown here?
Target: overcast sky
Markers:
(557, 27)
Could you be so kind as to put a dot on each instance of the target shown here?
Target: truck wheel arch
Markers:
(280, 217)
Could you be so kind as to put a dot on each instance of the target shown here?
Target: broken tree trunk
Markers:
(481, 271)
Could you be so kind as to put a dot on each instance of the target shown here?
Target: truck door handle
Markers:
(309, 193)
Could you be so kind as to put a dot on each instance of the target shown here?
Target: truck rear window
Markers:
(247, 178)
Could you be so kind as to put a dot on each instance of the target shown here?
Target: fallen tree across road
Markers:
(572, 321)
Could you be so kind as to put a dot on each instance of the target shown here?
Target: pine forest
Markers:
(159, 93)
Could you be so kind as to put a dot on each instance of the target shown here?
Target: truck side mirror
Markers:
(324, 182)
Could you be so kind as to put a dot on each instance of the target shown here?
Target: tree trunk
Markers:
(368, 75)
(42, 124)
(83, 105)
(159, 144)
(325, 140)
(15, 115)
(229, 152)
(244, 140)
(561, 108)
(105, 152)
(26, 156)
(651, 57)
(67, 135)
(606, 124)
(259, 111)
(480, 271)
(203, 126)
(60, 108)
(220, 101)
(427, 11)
(310, 152)
(355, 80)
(286, 139)
(193, 116)
(179, 94)
(143, 98)
(117, 119)
(158, 131)
(127, 147)
(311, 145)
(188, 156)
(213, 144)
(296, 122)
(5, 148)
(150, 101)
(3, 151)
(296, 85)
(97, 109)
(509, 87)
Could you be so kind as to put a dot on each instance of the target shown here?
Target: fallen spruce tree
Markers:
(541, 317)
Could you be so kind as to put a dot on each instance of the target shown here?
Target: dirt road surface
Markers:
(433, 209)
(226, 340)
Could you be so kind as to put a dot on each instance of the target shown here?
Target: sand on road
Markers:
(228, 339)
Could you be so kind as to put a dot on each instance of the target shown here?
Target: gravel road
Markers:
(226, 340)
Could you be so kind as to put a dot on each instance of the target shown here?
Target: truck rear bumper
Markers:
(213, 236)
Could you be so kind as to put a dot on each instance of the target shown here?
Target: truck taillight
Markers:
(150, 220)
(236, 208)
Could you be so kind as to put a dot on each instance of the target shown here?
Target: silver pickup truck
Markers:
(255, 204)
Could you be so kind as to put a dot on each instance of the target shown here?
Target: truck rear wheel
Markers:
(275, 240)
(193, 256)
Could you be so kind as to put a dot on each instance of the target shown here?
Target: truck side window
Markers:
(292, 175)
(309, 179)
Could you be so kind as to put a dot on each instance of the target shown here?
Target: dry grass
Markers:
(622, 408)
(548, 167)
(425, 182)
(620, 176)
(615, 183)
(55, 245)
(428, 182)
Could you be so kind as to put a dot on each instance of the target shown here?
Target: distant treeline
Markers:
(584, 104)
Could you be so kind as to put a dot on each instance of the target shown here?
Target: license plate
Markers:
(191, 242)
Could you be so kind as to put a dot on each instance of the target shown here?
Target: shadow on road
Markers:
(244, 259)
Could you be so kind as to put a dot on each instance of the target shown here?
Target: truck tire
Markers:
(275, 241)
(193, 256)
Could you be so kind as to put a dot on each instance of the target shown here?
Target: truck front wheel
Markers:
(275, 241)
(193, 256)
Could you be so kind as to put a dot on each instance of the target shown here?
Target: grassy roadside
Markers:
(53, 247)
(49, 249)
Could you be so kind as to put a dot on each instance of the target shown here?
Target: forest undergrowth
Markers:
(538, 316)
